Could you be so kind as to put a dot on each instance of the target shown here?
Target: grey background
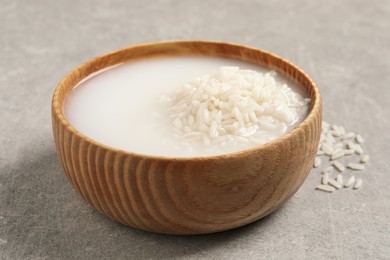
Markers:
(343, 45)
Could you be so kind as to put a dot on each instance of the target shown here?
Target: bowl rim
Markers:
(57, 106)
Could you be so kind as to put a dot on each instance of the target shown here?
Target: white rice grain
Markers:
(351, 145)
(351, 180)
(359, 139)
(213, 129)
(335, 133)
(325, 125)
(355, 166)
(337, 155)
(330, 139)
(358, 149)
(238, 115)
(326, 188)
(337, 150)
(358, 184)
(364, 158)
(339, 166)
(328, 169)
(339, 179)
(334, 183)
(349, 151)
(328, 149)
(317, 162)
(348, 136)
(192, 136)
(253, 117)
(325, 178)
(320, 152)
(206, 116)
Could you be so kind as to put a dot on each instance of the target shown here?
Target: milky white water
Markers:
(120, 106)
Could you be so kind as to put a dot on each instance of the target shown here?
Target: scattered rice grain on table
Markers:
(355, 166)
(350, 182)
(326, 188)
(345, 154)
(364, 158)
(334, 183)
(358, 184)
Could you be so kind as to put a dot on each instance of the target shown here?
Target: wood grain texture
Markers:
(193, 195)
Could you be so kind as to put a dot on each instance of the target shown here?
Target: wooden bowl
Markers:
(187, 195)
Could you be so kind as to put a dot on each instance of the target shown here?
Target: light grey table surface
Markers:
(343, 45)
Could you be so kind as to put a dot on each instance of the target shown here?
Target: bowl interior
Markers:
(201, 48)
